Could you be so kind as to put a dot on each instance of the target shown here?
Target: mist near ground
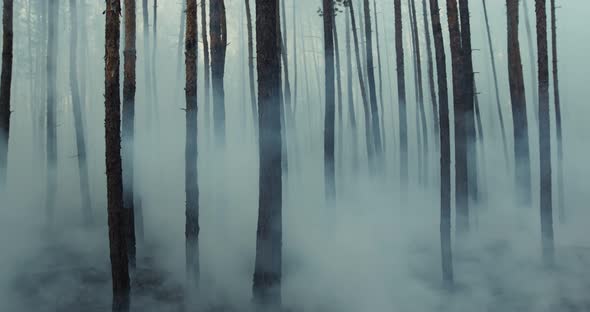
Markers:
(374, 249)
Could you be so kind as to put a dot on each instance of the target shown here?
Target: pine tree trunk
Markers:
(519, 116)
(267, 272)
(251, 66)
(558, 128)
(181, 32)
(339, 96)
(128, 125)
(218, 36)
(431, 86)
(380, 76)
(544, 136)
(191, 182)
(146, 59)
(51, 85)
(5, 85)
(116, 215)
(350, 96)
(445, 146)
(401, 93)
(329, 171)
(368, 130)
(496, 88)
(533, 68)
(207, 64)
(376, 128)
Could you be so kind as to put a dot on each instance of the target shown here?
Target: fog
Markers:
(372, 249)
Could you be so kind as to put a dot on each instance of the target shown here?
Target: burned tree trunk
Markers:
(544, 136)
(267, 272)
(51, 85)
(250, 64)
(445, 146)
(519, 116)
(329, 172)
(5, 85)
(116, 215)
(128, 125)
(495, 75)
(218, 36)
(401, 95)
(558, 129)
(191, 182)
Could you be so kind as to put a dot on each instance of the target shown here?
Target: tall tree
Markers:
(182, 30)
(51, 84)
(544, 135)
(519, 116)
(350, 96)
(154, 87)
(329, 117)
(206, 63)
(339, 104)
(558, 129)
(146, 52)
(531, 50)
(401, 95)
(128, 124)
(495, 75)
(376, 132)
(251, 65)
(267, 269)
(116, 215)
(379, 75)
(218, 36)
(5, 85)
(445, 145)
(191, 182)
(431, 86)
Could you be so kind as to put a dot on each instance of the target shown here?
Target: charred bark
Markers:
(401, 95)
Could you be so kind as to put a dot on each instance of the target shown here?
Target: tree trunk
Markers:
(267, 272)
(154, 87)
(496, 88)
(339, 94)
(191, 182)
(558, 129)
(368, 137)
(533, 70)
(380, 76)
(217, 32)
(146, 57)
(128, 125)
(351, 113)
(544, 136)
(181, 31)
(51, 108)
(5, 85)
(372, 92)
(251, 65)
(329, 172)
(116, 215)
(431, 86)
(295, 81)
(445, 146)
(462, 214)
(207, 64)
(401, 96)
(519, 116)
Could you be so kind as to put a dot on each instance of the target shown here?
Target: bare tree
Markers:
(218, 36)
(558, 128)
(531, 50)
(379, 75)
(51, 85)
(350, 96)
(329, 172)
(267, 271)
(431, 86)
(116, 214)
(251, 65)
(5, 85)
(401, 95)
(206, 63)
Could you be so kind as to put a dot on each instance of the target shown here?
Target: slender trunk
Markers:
(380, 76)
(286, 77)
(329, 172)
(154, 87)
(368, 137)
(128, 125)
(544, 136)
(533, 69)
(431, 86)
(376, 132)
(5, 85)
(519, 116)
(146, 60)
(116, 214)
(267, 272)
(218, 36)
(191, 182)
(401, 93)
(181, 31)
(558, 129)
(250, 65)
(445, 146)
(496, 88)
(207, 63)
(51, 108)
(282, 100)
(350, 96)
(295, 81)
(339, 96)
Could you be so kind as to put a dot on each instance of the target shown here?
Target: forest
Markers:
(294, 155)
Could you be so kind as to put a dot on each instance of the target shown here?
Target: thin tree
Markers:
(250, 64)
(431, 86)
(338, 93)
(181, 32)
(445, 145)
(533, 70)
(544, 136)
(401, 95)
(558, 128)
(350, 97)
(495, 75)
(517, 97)
(218, 36)
(5, 85)
(146, 53)
(379, 75)
(295, 82)
(267, 269)
(128, 125)
(154, 87)
(191, 182)
(116, 214)
(51, 85)
(329, 117)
